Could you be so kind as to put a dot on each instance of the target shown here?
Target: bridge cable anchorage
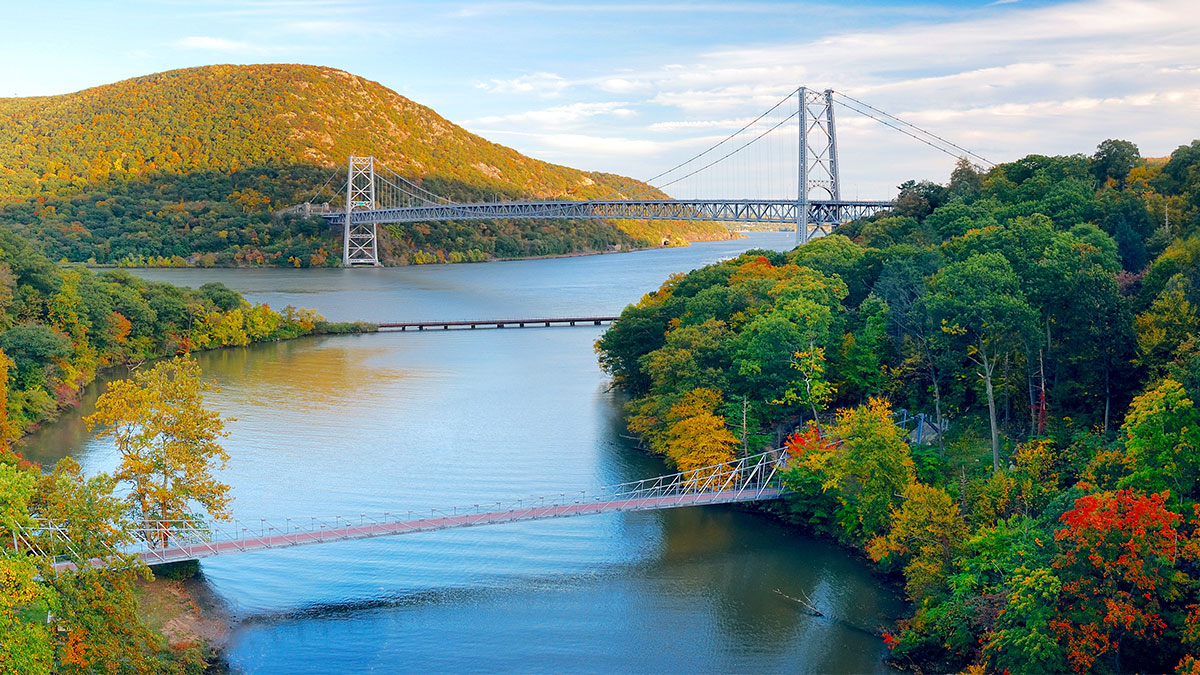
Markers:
(751, 478)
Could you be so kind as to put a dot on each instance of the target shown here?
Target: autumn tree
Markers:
(866, 463)
(168, 442)
(1117, 563)
(1166, 324)
(927, 532)
(697, 436)
(25, 645)
(95, 613)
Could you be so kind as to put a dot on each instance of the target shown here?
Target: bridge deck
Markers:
(498, 323)
(777, 211)
(272, 537)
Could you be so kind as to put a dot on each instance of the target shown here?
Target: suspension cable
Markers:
(910, 124)
(729, 154)
(728, 138)
(324, 185)
(436, 197)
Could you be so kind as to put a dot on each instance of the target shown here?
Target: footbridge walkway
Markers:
(156, 542)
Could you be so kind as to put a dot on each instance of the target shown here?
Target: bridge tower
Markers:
(360, 245)
(818, 161)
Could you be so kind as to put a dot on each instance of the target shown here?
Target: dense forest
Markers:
(1044, 315)
(187, 167)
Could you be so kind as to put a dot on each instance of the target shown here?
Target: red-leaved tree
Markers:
(1117, 562)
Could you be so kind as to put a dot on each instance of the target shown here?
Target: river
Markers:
(396, 421)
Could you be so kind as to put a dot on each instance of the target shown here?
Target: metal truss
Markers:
(822, 215)
(156, 542)
(360, 245)
(818, 157)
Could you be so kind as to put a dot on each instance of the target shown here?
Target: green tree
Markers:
(1115, 159)
(983, 316)
(1163, 439)
(1024, 640)
(868, 465)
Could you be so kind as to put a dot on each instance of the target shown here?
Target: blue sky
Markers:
(634, 87)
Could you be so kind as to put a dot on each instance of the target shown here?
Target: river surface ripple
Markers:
(397, 421)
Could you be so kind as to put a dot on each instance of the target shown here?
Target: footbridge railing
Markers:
(155, 542)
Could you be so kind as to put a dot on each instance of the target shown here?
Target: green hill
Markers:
(187, 165)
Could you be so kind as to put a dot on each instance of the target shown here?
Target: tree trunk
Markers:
(991, 396)
(937, 409)
(1107, 398)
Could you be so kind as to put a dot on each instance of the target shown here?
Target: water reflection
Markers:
(400, 421)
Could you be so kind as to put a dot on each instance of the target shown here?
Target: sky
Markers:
(636, 87)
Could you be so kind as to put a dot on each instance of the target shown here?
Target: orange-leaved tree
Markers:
(169, 443)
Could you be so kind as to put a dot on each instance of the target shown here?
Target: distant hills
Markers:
(185, 167)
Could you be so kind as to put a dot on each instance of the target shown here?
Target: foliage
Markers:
(167, 440)
(697, 436)
(1163, 442)
(865, 464)
(927, 531)
(1046, 310)
(185, 167)
(1118, 557)
(59, 327)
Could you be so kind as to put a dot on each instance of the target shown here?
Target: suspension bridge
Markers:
(157, 542)
(787, 156)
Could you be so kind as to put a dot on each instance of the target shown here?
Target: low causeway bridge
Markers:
(498, 323)
(156, 542)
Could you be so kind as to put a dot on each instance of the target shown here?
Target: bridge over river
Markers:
(806, 171)
(157, 542)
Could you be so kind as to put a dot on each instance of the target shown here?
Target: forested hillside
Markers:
(1046, 314)
(184, 167)
(58, 327)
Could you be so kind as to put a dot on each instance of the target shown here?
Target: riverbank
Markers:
(730, 235)
(189, 615)
(320, 329)
(363, 426)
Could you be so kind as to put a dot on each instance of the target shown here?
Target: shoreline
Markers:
(359, 328)
(188, 614)
(733, 235)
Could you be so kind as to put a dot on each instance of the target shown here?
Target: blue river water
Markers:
(402, 421)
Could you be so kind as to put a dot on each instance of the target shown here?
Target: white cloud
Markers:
(546, 85)
(1005, 81)
(557, 117)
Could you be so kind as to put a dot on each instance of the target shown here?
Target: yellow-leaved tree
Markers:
(169, 443)
(698, 436)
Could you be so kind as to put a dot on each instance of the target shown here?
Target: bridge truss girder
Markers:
(823, 215)
(745, 479)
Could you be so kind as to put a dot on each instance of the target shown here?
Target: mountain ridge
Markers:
(250, 125)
